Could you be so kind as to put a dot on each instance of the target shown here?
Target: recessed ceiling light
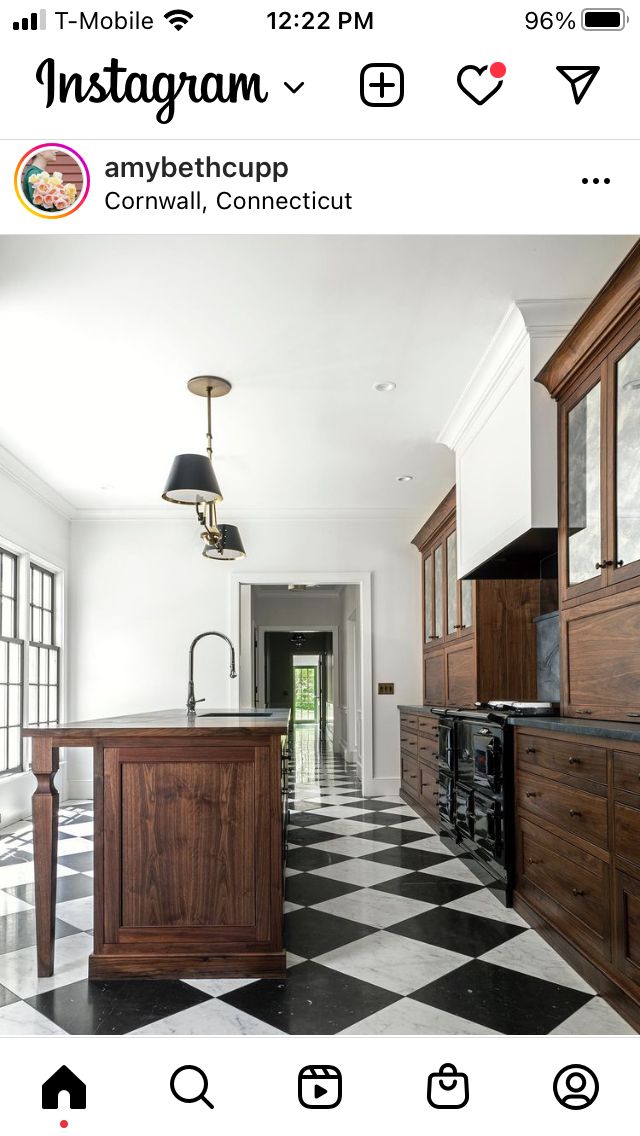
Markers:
(405, 477)
(384, 387)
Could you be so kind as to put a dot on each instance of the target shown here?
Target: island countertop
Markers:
(168, 723)
(189, 842)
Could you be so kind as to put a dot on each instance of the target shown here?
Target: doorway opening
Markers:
(306, 689)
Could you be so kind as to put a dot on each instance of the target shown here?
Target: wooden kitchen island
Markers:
(189, 843)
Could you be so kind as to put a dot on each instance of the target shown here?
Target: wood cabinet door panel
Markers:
(580, 813)
(627, 831)
(461, 677)
(627, 935)
(434, 679)
(410, 775)
(626, 771)
(602, 657)
(429, 788)
(188, 848)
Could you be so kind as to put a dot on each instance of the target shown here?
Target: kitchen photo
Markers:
(319, 635)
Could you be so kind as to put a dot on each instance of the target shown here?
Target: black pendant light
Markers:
(192, 481)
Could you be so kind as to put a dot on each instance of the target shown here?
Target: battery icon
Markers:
(604, 19)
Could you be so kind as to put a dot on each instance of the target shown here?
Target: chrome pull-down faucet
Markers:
(191, 697)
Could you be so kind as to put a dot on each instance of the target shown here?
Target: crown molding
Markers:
(187, 516)
(523, 322)
(17, 471)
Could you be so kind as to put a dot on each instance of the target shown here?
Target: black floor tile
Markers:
(457, 931)
(306, 859)
(390, 835)
(430, 889)
(80, 861)
(371, 805)
(404, 856)
(114, 1007)
(307, 889)
(14, 856)
(313, 1000)
(7, 997)
(309, 933)
(19, 930)
(501, 999)
(309, 836)
(68, 887)
(385, 818)
(307, 818)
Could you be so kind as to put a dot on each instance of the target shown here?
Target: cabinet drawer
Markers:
(627, 832)
(408, 722)
(429, 788)
(563, 872)
(428, 724)
(428, 749)
(409, 742)
(410, 775)
(583, 762)
(626, 771)
(583, 814)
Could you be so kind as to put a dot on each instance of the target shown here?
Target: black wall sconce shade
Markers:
(192, 481)
(228, 547)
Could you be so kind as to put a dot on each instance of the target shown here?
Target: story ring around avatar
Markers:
(51, 180)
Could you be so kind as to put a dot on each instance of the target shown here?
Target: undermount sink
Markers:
(235, 714)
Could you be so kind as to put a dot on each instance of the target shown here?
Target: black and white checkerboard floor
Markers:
(387, 933)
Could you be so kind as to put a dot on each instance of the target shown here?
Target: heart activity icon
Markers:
(481, 83)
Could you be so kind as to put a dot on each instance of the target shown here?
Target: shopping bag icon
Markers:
(448, 1088)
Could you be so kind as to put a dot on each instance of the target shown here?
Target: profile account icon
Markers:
(64, 1081)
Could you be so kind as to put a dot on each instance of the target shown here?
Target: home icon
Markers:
(64, 1081)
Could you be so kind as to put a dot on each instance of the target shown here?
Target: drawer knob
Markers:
(531, 794)
(576, 891)
(574, 813)
(584, 711)
(530, 749)
(533, 861)
(574, 761)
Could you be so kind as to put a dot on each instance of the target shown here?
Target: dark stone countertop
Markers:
(596, 728)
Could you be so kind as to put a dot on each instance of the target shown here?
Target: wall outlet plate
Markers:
(386, 688)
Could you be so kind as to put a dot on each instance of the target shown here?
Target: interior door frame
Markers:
(362, 580)
(261, 676)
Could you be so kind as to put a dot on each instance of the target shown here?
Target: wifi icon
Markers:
(178, 18)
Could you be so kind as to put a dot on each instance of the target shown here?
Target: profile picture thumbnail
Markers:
(52, 180)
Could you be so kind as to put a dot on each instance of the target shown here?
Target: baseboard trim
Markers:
(381, 786)
(262, 964)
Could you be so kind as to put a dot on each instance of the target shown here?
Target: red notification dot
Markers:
(498, 70)
(64, 1123)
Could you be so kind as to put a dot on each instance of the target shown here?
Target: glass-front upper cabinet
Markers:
(466, 605)
(427, 569)
(625, 376)
(583, 505)
(438, 592)
(453, 619)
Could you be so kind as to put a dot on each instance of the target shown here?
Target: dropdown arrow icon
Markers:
(294, 90)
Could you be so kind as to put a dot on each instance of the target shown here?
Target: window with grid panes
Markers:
(44, 654)
(11, 666)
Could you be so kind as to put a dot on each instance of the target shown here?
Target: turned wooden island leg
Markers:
(45, 764)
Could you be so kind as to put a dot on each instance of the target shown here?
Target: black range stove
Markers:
(476, 794)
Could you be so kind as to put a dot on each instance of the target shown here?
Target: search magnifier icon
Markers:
(192, 1098)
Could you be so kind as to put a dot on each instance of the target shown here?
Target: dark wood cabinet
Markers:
(578, 854)
(595, 377)
(419, 762)
(478, 635)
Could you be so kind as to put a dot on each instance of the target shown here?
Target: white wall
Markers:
(142, 591)
(350, 707)
(29, 523)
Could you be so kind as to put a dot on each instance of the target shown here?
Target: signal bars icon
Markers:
(37, 21)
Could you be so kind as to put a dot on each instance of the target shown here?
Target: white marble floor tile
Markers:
(291, 872)
(215, 987)
(13, 875)
(289, 906)
(416, 825)
(83, 829)
(345, 827)
(365, 873)
(21, 1020)
(73, 845)
(451, 869)
(432, 844)
(529, 954)
(595, 1018)
(9, 905)
(403, 810)
(214, 1017)
(393, 962)
(408, 1017)
(341, 812)
(354, 846)
(77, 912)
(375, 908)
(18, 970)
(482, 902)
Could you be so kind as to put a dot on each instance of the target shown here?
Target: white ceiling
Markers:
(99, 336)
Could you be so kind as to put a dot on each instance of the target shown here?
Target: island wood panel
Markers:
(184, 863)
(461, 675)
